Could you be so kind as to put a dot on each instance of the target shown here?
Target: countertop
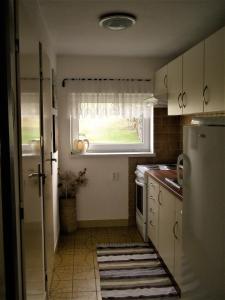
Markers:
(160, 176)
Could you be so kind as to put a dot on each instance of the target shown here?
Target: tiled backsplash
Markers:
(167, 145)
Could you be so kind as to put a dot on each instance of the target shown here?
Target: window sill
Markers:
(104, 154)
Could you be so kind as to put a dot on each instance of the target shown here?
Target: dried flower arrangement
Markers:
(69, 183)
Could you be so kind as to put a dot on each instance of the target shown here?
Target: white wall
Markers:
(102, 198)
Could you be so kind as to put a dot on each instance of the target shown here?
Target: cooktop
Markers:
(144, 168)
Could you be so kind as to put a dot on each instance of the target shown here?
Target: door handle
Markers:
(160, 203)
(151, 223)
(39, 175)
(174, 230)
(34, 174)
(205, 100)
(184, 97)
(178, 100)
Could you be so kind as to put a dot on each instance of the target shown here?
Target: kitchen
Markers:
(158, 88)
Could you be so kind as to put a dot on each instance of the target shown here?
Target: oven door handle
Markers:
(139, 183)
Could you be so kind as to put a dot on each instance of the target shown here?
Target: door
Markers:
(213, 90)
(166, 223)
(193, 79)
(48, 162)
(204, 212)
(32, 158)
(175, 105)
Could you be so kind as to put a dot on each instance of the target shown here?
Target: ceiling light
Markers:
(117, 21)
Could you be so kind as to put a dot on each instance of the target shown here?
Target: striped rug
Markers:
(132, 271)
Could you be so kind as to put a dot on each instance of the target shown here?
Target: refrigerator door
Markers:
(204, 213)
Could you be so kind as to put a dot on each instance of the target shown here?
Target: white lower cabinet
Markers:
(165, 226)
(153, 213)
(178, 242)
(166, 223)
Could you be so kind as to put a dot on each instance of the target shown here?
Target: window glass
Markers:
(30, 123)
(111, 130)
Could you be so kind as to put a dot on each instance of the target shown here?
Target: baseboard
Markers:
(102, 223)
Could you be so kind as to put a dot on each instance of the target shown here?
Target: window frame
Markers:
(146, 146)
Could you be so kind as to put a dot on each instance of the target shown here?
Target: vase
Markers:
(68, 215)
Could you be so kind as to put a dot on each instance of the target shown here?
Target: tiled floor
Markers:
(75, 275)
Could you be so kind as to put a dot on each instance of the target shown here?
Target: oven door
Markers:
(141, 209)
(140, 199)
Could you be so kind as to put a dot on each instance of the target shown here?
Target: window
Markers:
(30, 123)
(116, 132)
(112, 121)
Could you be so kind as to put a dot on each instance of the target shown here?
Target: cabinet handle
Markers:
(178, 100)
(174, 230)
(165, 80)
(160, 203)
(206, 101)
(151, 224)
(184, 102)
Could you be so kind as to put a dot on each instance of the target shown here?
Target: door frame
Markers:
(9, 153)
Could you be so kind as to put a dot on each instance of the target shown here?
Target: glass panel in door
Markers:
(31, 120)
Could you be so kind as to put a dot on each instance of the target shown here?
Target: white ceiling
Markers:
(164, 28)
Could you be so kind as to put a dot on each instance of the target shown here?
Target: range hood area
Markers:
(159, 100)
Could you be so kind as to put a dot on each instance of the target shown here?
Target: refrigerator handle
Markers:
(179, 168)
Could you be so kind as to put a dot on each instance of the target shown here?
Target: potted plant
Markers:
(69, 184)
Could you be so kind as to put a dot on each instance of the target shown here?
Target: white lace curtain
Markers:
(93, 98)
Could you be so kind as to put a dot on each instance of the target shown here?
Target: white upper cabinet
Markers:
(175, 106)
(196, 79)
(213, 90)
(193, 79)
(160, 85)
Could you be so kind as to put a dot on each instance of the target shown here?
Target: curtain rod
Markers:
(101, 79)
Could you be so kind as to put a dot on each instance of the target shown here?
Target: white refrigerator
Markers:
(203, 266)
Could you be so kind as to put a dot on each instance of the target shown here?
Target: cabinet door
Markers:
(160, 86)
(153, 222)
(166, 224)
(214, 72)
(175, 106)
(193, 79)
(153, 188)
(152, 228)
(178, 242)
